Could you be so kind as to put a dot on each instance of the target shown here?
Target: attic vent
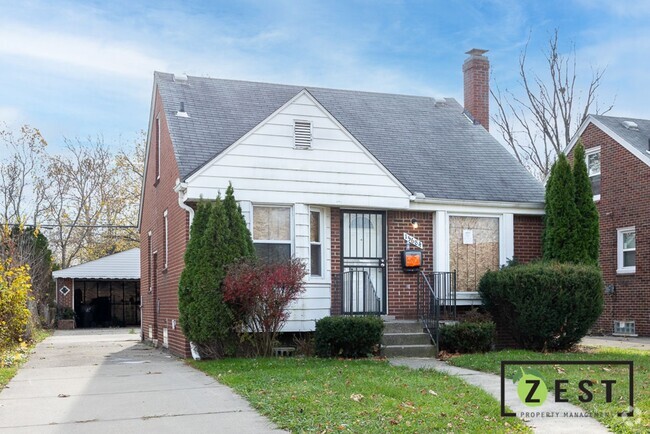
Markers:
(181, 111)
(182, 78)
(302, 134)
(630, 125)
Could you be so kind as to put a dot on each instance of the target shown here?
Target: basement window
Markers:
(625, 328)
(302, 134)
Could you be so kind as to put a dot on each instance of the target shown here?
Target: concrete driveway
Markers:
(106, 381)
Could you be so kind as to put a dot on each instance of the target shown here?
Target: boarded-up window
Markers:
(473, 249)
(272, 232)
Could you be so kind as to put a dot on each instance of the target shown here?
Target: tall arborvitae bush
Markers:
(189, 281)
(588, 235)
(560, 235)
(219, 237)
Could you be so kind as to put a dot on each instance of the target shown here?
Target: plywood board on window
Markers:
(471, 261)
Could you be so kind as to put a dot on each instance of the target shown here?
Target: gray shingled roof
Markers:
(637, 138)
(430, 148)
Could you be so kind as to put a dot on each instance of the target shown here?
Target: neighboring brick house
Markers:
(618, 159)
(340, 179)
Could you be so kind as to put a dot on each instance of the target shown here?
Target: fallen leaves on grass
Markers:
(357, 397)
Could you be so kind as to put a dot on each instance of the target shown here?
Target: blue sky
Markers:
(85, 68)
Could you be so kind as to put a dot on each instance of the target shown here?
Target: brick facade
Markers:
(528, 237)
(159, 293)
(402, 286)
(624, 201)
(64, 300)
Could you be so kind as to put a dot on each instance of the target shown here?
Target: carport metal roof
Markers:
(123, 265)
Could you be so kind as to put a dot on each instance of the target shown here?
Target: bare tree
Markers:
(21, 181)
(79, 191)
(539, 122)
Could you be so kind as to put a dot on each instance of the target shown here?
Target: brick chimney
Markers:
(476, 78)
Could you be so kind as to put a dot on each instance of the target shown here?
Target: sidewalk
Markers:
(617, 342)
(492, 384)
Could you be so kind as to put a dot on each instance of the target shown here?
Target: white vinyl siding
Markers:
(265, 166)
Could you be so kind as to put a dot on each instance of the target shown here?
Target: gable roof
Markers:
(634, 140)
(429, 146)
(123, 265)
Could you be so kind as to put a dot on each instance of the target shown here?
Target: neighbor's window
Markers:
(157, 132)
(315, 251)
(593, 169)
(626, 250)
(473, 249)
(272, 232)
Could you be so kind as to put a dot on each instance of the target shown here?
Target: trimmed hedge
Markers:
(467, 337)
(546, 305)
(348, 336)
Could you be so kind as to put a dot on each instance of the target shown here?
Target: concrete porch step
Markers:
(402, 326)
(408, 351)
(406, 339)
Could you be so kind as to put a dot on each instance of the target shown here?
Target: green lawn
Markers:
(321, 395)
(491, 362)
(12, 358)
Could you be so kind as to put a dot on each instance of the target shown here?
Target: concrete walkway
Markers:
(106, 381)
(492, 384)
(617, 342)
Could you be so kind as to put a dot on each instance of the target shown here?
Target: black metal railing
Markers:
(436, 300)
(358, 293)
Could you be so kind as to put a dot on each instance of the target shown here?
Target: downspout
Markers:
(181, 189)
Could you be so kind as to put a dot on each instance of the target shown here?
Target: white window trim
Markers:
(291, 225)
(150, 261)
(166, 238)
(321, 217)
(620, 269)
(588, 152)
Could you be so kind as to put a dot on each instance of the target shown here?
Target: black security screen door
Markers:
(363, 261)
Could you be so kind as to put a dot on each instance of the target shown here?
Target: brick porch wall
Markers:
(528, 237)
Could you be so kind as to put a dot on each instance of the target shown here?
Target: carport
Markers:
(102, 293)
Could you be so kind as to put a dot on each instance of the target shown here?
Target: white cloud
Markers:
(99, 55)
(11, 116)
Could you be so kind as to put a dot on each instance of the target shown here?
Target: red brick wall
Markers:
(64, 300)
(476, 74)
(158, 197)
(402, 286)
(624, 201)
(528, 237)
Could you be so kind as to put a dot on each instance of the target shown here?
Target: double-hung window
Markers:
(272, 232)
(593, 169)
(315, 243)
(626, 252)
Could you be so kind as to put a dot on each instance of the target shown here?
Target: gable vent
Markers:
(302, 134)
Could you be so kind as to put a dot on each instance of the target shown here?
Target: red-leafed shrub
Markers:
(260, 294)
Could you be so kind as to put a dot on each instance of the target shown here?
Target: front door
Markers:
(363, 261)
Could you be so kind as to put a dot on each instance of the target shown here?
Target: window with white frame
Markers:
(474, 248)
(166, 237)
(315, 243)
(157, 148)
(593, 169)
(626, 262)
(272, 232)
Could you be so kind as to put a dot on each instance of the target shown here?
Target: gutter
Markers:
(420, 198)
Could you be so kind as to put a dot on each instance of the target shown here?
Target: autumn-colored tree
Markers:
(260, 294)
(15, 285)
